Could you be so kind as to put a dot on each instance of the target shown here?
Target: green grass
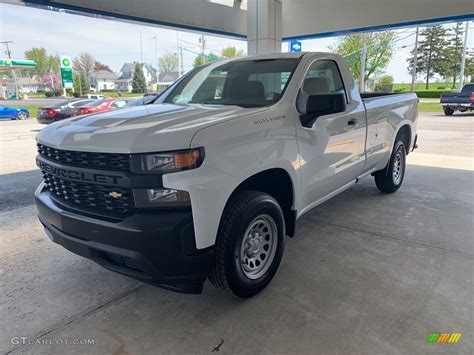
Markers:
(429, 107)
(32, 108)
(422, 86)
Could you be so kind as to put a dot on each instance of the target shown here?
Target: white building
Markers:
(102, 80)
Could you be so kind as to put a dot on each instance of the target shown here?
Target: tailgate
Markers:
(459, 98)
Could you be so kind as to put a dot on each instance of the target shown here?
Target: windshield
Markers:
(246, 83)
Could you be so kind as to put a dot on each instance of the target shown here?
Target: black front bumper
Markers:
(156, 248)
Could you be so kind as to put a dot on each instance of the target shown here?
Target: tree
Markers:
(101, 66)
(454, 52)
(211, 57)
(168, 62)
(384, 83)
(44, 63)
(139, 82)
(231, 52)
(84, 64)
(431, 53)
(379, 52)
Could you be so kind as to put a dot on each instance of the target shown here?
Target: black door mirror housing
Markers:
(322, 104)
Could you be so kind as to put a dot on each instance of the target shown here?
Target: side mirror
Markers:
(322, 104)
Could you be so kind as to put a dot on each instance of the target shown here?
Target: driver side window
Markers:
(322, 77)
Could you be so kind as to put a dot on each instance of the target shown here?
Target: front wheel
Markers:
(448, 111)
(250, 244)
(21, 115)
(390, 179)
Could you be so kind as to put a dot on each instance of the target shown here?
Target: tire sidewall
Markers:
(239, 283)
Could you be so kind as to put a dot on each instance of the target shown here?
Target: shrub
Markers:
(76, 94)
(431, 94)
(48, 93)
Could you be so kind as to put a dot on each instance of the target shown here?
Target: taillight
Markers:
(472, 96)
(51, 112)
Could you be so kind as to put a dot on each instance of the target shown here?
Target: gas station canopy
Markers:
(274, 20)
(9, 64)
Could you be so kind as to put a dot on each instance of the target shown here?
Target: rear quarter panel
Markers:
(385, 116)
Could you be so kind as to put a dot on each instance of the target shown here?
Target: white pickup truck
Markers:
(208, 180)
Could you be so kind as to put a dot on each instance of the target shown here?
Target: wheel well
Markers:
(404, 134)
(277, 183)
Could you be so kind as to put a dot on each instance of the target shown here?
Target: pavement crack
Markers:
(378, 235)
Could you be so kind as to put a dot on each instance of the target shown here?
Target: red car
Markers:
(100, 106)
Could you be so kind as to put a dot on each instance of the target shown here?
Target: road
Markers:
(32, 101)
(366, 272)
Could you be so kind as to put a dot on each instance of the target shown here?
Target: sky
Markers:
(114, 42)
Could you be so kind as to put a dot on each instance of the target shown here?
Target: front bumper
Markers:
(156, 248)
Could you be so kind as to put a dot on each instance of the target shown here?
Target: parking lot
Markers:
(366, 272)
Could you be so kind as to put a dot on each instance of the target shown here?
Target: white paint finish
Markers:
(241, 142)
(264, 19)
(306, 17)
(299, 17)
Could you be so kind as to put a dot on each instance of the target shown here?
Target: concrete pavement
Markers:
(367, 273)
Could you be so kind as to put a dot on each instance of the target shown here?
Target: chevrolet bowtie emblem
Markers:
(114, 194)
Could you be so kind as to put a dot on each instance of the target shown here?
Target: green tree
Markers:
(168, 62)
(379, 52)
(44, 63)
(431, 53)
(84, 64)
(454, 52)
(80, 85)
(139, 82)
(231, 52)
(384, 83)
(211, 57)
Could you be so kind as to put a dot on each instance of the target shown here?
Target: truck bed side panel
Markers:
(385, 116)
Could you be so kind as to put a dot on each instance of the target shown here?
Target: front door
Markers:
(332, 150)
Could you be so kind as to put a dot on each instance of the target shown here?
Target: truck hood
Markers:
(138, 129)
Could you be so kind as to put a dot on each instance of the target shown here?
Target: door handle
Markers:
(352, 122)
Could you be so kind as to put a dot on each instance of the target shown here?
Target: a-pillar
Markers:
(263, 26)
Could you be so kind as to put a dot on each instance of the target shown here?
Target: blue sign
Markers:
(295, 46)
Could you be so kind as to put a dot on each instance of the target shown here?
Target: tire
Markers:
(391, 178)
(250, 244)
(448, 111)
(21, 115)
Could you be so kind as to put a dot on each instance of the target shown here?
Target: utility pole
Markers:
(179, 53)
(141, 48)
(415, 62)
(362, 65)
(181, 69)
(8, 53)
(463, 60)
(203, 48)
(156, 58)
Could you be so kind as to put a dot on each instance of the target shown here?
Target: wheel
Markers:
(390, 179)
(448, 111)
(250, 244)
(21, 115)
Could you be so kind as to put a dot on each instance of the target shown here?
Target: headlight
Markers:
(161, 197)
(172, 161)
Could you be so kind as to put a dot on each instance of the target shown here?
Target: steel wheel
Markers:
(398, 166)
(21, 115)
(258, 246)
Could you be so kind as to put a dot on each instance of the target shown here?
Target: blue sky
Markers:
(114, 43)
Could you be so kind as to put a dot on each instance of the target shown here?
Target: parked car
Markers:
(209, 180)
(100, 106)
(93, 96)
(13, 113)
(460, 101)
(60, 110)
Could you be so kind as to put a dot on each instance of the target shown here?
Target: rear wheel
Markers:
(448, 111)
(21, 115)
(390, 179)
(250, 244)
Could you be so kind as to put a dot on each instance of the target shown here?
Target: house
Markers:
(124, 82)
(166, 79)
(28, 85)
(102, 80)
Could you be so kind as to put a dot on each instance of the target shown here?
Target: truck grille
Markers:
(96, 198)
(106, 161)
